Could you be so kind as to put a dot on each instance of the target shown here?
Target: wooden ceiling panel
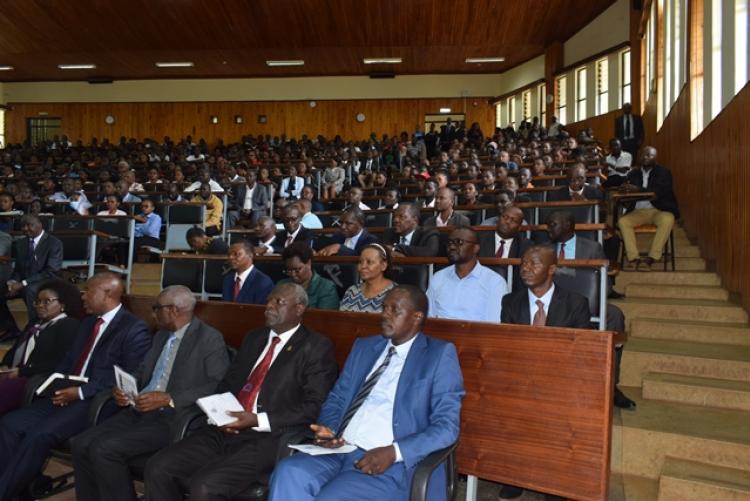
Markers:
(234, 38)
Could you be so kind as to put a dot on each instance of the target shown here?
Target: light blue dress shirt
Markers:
(477, 296)
(570, 248)
(150, 228)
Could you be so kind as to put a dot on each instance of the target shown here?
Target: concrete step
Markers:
(643, 240)
(681, 264)
(627, 488)
(624, 278)
(694, 331)
(147, 271)
(719, 361)
(687, 251)
(719, 393)
(681, 309)
(657, 430)
(683, 480)
(677, 292)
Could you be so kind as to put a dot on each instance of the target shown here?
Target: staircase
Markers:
(146, 279)
(687, 365)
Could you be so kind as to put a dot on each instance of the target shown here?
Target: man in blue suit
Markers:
(110, 336)
(353, 237)
(247, 284)
(397, 400)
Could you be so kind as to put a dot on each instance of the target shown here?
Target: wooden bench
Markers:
(538, 405)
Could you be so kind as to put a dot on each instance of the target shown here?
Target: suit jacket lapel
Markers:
(189, 339)
(414, 360)
(556, 312)
(525, 318)
(105, 336)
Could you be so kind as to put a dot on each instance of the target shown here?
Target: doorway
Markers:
(40, 130)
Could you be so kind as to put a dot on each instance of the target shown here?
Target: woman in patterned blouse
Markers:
(368, 295)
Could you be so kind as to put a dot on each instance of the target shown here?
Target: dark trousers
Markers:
(28, 434)
(210, 464)
(101, 454)
(28, 294)
(11, 394)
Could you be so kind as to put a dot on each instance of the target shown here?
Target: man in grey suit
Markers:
(250, 200)
(186, 361)
(446, 216)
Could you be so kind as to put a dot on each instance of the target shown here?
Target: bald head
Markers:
(103, 293)
(538, 266)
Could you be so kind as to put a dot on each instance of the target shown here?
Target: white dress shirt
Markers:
(243, 275)
(264, 425)
(268, 244)
(351, 242)
(107, 319)
(506, 249)
(248, 203)
(372, 425)
(644, 204)
(545, 299)
(406, 239)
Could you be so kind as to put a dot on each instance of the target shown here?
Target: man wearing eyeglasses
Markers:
(466, 290)
(293, 230)
(186, 361)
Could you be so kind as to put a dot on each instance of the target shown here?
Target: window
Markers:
(2, 128)
(562, 99)
(581, 93)
(542, 99)
(624, 77)
(602, 86)
(715, 57)
(511, 111)
(696, 69)
(526, 104)
(740, 44)
(498, 115)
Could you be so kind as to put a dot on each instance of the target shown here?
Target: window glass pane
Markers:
(581, 93)
(498, 115)
(542, 98)
(2, 128)
(602, 86)
(715, 57)
(740, 44)
(562, 98)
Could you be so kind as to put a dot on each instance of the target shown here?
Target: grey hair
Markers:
(182, 297)
(300, 294)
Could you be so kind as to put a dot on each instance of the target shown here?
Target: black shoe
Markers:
(623, 402)
(510, 492)
(613, 294)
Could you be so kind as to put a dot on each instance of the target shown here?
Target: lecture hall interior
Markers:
(425, 250)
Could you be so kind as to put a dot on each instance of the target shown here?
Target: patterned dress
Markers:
(355, 300)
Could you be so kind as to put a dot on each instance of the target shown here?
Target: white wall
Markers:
(521, 75)
(258, 89)
(610, 28)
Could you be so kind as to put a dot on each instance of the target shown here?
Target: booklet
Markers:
(216, 408)
(126, 383)
(57, 382)
(316, 450)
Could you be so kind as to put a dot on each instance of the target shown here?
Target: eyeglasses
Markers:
(293, 271)
(459, 242)
(157, 307)
(45, 302)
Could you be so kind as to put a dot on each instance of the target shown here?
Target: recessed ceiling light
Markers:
(5, 68)
(76, 66)
(176, 64)
(382, 60)
(479, 60)
(445, 110)
(287, 62)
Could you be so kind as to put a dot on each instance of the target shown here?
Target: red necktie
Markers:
(89, 345)
(289, 241)
(561, 256)
(501, 249)
(237, 288)
(250, 391)
(540, 318)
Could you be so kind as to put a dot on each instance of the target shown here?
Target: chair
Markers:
(187, 272)
(411, 274)
(380, 219)
(213, 278)
(344, 275)
(427, 466)
(667, 255)
(584, 281)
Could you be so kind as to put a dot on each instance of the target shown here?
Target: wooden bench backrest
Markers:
(538, 405)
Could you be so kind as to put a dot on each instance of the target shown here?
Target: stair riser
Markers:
(667, 278)
(635, 365)
(679, 489)
(681, 264)
(731, 314)
(676, 292)
(643, 452)
(686, 332)
(696, 395)
(146, 289)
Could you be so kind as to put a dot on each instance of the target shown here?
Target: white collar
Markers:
(243, 276)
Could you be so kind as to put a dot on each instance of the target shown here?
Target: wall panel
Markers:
(293, 118)
(603, 126)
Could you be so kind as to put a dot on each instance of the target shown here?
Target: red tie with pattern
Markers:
(237, 288)
(561, 256)
(501, 249)
(89, 345)
(250, 391)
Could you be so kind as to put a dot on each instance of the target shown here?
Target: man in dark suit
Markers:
(406, 238)
(110, 336)
(661, 211)
(250, 199)
(629, 130)
(39, 257)
(577, 188)
(281, 376)
(394, 426)
(507, 241)
(444, 202)
(187, 360)
(353, 237)
(245, 284)
(293, 230)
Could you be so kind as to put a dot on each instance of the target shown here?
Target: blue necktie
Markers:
(161, 365)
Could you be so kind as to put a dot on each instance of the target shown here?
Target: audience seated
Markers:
(446, 216)
(186, 361)
(333, 180)
(109, 336)
(309, 220)
(353, 236)
(293, 231)
(265, 240)
(503, 199)
(321, 292)
(201, 243)
(354, 199)
(618, 164)
(251, 200)
(43, 343)
(368, 295)
(291, 187)
(281, 376)
(577, 188)
(245, 283)
(112, 204)
(214, 209)
(466, 290)
(393, 430)
(406, 238)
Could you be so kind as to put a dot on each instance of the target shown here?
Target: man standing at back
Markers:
(186, 361)
(245, 284)
(110, 336)
(397, 400)
(281, 376)
(629, 129)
